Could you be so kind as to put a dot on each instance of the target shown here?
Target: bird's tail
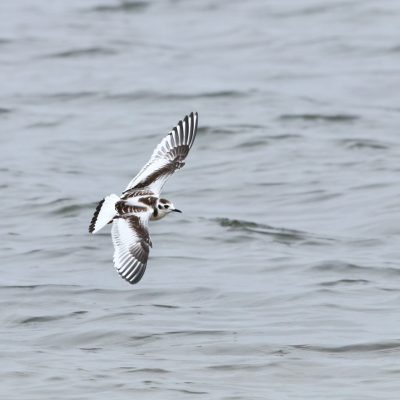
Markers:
(105, 212)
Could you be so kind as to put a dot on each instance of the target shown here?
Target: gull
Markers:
(140, 202)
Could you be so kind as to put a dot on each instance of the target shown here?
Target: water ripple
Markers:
(354, 348)
(364, 144)
(123, 6)
(85, 52)
(320, 117)
(280, 234)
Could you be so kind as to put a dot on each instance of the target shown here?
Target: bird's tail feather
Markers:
(105, 212)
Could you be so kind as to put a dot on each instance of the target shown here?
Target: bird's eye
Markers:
(159, 207)
(167, 206)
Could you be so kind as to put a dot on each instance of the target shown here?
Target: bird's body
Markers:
(140, 202)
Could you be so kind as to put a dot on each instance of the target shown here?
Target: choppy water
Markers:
(281, 278)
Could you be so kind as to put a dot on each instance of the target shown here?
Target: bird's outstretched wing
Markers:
(167, 157)
(132, 244)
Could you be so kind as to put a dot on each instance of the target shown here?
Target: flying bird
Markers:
(140, 202)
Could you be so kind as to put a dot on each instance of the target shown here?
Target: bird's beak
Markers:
(176, 210)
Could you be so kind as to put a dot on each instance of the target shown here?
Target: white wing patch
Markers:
(132, 245)
(105, 212)
(168, 156)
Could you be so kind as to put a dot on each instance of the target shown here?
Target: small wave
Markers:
(62, 206)
(345, 282)
(283, 235)
(337, 266)
(72, 209)
(67, 96)
(287, 136)
(341, 267)
(124, 6)
(91, 349)
(222, 93)
(67, 210)
(151, 95)
(236, 223)
(308, 10)
(208, 130)
(165, 306)
(231, 129)
(206, 332)
(90, 51)
(393, 49)
(42, 124)
(131, 370)
(187, 391)
(264, 140)
(237, 367)
(49, 318)
(4, 110)
(363, 144)
(357, 347)
(5, 41)
(320, 117)
(34, 287)
(249, 126)
(56, 201)
(252, 143)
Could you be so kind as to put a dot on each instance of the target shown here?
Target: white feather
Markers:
(107, 212)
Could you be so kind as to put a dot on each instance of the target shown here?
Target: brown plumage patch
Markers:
(163, 171)
(155, 212)
(122, 207)
(141, 231)
(136, 192)
(149, 201)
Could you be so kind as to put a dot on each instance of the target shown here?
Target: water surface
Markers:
(281, 278)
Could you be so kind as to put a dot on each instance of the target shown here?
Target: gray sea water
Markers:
(281, 279)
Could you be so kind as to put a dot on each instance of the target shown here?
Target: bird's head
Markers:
(163, 208)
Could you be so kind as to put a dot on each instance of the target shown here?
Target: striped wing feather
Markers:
(131, 246)
(167, 157)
